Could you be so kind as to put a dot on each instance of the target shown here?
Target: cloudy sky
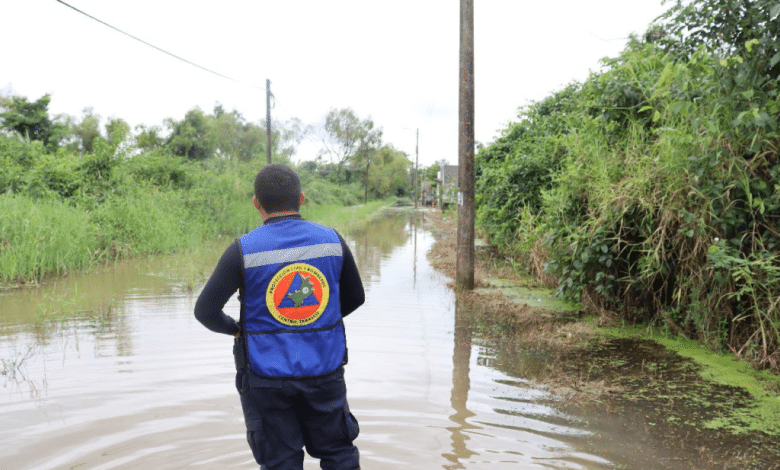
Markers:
(393, 61)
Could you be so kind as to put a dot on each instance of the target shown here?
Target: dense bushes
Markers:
(513, 171)
(61, 210)
(659, 196)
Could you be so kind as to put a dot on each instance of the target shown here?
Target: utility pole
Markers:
(268, 120)
(368, 166)
(464, 275)
(416, 167)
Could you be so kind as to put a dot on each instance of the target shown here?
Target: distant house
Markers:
(447, 180)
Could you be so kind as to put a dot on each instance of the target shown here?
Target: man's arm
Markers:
(224, 282)
(352, 294)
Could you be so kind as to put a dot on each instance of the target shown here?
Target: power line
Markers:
(158, 48)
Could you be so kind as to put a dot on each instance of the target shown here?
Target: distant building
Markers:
(447, 180)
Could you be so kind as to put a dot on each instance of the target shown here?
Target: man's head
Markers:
(278, 189)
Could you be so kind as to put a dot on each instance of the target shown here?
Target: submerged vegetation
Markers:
(649, 192)
(73, 196)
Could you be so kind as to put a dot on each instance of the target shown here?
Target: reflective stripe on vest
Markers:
(291, 254)
(291, 312)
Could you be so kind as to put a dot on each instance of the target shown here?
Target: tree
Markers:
(724, 27)
(236, 138)
(117, 131)
(87, 131)
(348, 138)
(30, 120)
(252, 142)
(431, 173)
(226, 131)
(389, 172)
(148, 138)
(287, 136)
(190, 138)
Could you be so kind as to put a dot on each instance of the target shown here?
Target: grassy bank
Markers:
(65, 218)
(343, 217)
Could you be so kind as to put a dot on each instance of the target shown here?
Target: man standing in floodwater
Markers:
(296, 281)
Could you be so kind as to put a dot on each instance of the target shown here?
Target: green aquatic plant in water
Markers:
(752, 400)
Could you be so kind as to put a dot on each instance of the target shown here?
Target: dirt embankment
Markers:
(502, 293)
(716, 426)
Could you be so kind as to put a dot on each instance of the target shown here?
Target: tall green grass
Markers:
(145, 221)
(150, 204)
(39, 238)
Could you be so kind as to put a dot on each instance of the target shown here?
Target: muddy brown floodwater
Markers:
(109, 370)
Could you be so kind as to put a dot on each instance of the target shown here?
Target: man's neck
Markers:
(281, 214)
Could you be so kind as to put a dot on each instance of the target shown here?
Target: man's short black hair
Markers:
(278, 188)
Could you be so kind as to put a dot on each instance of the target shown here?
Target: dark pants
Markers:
(283, 416)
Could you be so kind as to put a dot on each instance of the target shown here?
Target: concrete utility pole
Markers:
(464, 274)
(416, 167)
(268, 120)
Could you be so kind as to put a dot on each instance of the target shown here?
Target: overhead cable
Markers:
(158, 48)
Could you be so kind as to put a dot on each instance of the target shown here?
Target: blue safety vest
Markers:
(290, 311)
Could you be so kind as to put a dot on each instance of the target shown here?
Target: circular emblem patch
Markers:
(298, 294)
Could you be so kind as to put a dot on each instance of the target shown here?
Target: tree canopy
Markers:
(361, 158)
(30, 119)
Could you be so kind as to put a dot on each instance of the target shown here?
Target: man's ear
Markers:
(303, 198)
(260, 209)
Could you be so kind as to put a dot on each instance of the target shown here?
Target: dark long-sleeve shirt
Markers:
(227, 279)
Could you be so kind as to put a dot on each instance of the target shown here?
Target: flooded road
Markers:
(110, 370)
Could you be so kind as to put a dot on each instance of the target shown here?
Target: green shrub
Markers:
(160, 168)
(513, 172)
